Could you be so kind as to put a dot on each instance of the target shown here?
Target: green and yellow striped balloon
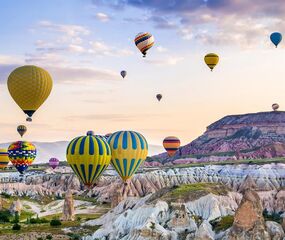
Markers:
(88, 156)
(129, 150)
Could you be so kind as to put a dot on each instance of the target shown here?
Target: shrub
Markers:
(16, 227)
(5, 216)
(49, 237)
(55, 222)
(223, 223)
(38, 220)
(16, 218)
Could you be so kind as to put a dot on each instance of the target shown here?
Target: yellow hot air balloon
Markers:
(88, 156)
(29, 86)
(4, 158)
(129, 150)
(211, 60)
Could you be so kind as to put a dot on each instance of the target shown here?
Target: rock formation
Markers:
(16, 206)
(248, 220)
(254, 135)
(68, 207)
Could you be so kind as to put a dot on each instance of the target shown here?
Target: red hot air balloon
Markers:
(53, 163)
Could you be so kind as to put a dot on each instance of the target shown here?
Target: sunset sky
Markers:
(84, 44)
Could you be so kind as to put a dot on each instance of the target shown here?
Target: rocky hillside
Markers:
(254, 135)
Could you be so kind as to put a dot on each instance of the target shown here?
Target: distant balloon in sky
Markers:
(129, 150)
(53, 163)
(211, 59)
(29, 86)
(22, 129)
(171, 145)
(88, 156)
(159, 97)
(276, 38)
(123, 73)
(275, 106)
(144, 41)
(22, 154)
(4, 158)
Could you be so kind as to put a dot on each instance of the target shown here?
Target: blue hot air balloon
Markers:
(276, 38)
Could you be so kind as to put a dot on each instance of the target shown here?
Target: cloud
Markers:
(161, 49)
(101, 48)
(226, 22)
(70, 30)
(165, 61)
(81, 75)
(67, 75)
(102, 17)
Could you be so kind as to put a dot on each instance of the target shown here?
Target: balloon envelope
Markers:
(29, 86)
(53, 163)
(4, 158)
(22, 154)
(275, 106)
(211, 59)
(171, 145)
(123, 73)
(22, 130)
(276, 38)
(159, 97)
(129, 150)
(144, 41)
(88, 156)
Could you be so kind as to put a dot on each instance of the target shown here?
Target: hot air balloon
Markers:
(53, 163)
(29, 86)
(22, 155)
(129, 150)
(276, 38)
(171, 145)
(4, 158)
(88, 156)
(144, 41)
(275, 106)
(211, 60)
(123, 73)
(22, 130)
(159, 97)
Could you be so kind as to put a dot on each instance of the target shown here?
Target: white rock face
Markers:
(205, 232)
(275, 230)
(16, 206)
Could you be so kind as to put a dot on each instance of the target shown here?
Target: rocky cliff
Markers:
(255, 135)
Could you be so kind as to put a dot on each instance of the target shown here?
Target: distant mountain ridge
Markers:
(253, 135)
(47, 150)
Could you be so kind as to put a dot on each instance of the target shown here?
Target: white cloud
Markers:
(161, 49)
(170, 60)
(102, 17)
(70, 30)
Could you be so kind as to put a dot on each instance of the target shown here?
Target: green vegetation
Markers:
(55, 222)
(276, 217)
(16, 227)
(195, 191)
(5, 216)
(222, 223)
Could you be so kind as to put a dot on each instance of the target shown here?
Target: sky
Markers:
(84, 45)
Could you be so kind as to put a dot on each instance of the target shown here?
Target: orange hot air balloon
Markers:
(171, 145)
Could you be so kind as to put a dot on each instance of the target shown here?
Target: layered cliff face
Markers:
(255, 135)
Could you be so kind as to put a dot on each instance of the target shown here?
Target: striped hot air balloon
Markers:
(211, 59)
(88, 156)
(21, 129)
(129, 150)
(53, 163)
(144, 41)
(4, 158)
(171, 145)
(22, 154)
